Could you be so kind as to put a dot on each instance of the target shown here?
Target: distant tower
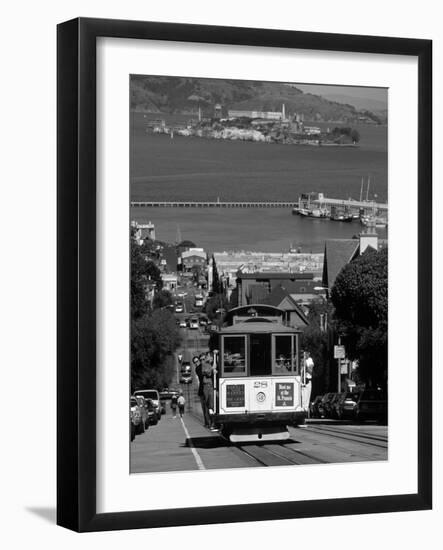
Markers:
(199, 114)
(283, 113)
(178, 235)
(217, 111)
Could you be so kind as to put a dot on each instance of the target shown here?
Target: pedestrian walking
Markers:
(181, 404)
(174, 400)
(197, 360)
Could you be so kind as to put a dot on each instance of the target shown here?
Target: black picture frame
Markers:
(77, 249)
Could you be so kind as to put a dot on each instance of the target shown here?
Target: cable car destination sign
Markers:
(284, 394)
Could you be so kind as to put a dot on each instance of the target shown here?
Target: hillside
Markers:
(182, 95)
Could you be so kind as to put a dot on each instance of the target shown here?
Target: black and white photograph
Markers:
(258, 234)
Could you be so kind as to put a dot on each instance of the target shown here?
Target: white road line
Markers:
(199, 461)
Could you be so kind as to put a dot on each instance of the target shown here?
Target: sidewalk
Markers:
(166, 447)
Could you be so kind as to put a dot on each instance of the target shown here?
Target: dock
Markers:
(325, 201)
(214, 204)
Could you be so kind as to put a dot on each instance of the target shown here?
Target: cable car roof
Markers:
(250, 310)
(250, 327)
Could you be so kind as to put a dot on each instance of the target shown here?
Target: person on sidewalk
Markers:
(208, 371)
(174, 400)
(197, 360)
(181, 404)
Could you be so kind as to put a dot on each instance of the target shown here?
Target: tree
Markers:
(215, 303)
(355, 136)
(360, 298)
(216, 283)
(162, 298)
(144, 273)
(154, 339)
(316, 339)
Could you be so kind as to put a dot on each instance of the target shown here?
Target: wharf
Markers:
(325, 201)
(214, 204)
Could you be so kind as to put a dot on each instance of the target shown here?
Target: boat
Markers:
(376, 221)
(338, 215)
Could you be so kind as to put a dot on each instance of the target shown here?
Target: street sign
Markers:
(339, 352)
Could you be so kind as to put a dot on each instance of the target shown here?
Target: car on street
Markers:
(333, 404)
(315, 409)
(202, 321)
(345, 406)
(193, 323)
(182, 323)
(152, 416)
(136, 416)
(186, 373)
(179, 307)
(141, 401)
(326, 404)
(372, 404)
(154, 395)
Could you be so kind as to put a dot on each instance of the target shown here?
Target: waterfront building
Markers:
(228, 264)
(143, 231)
(170, 281)
(266, 115)
(311, 130)
(193, 257)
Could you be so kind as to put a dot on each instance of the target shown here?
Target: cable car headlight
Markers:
(260, 397)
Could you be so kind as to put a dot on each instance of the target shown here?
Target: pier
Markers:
(325, 201)
(214, 204)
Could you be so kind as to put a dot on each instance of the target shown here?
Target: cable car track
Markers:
(268, 455)
(361, 439)
(347, 432)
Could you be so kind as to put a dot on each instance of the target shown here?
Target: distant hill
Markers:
(160, 94)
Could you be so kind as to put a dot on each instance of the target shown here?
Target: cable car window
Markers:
(283, 356)
(234, 355)
(260, 355)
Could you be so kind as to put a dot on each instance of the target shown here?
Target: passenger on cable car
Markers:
(208, 371)
(197, 360)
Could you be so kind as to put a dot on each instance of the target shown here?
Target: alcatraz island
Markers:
(260, 126)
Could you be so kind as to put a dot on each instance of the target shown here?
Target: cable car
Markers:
(260, 388)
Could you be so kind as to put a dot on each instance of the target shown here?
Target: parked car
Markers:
(179, 307)
(141, 401)
(345, 406)
(154, 395)
(372, 404)
(136, 416)
(152, 415)
(326, 404)
(182, 323)
(131, 426)
(333, 404)
(315, 410)
(202, 321)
